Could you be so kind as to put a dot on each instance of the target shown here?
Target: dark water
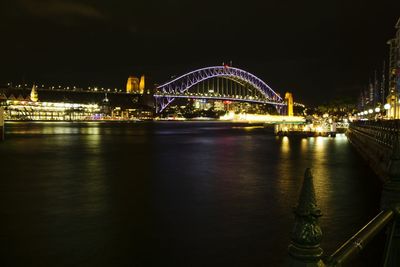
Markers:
(177, 194)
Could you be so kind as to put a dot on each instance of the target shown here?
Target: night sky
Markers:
(319, 50)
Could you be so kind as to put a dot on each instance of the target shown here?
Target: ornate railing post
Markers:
(306, 235)
(391, 200)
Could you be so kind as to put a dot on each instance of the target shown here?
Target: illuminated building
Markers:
(134, 85)
(393, 106)
(29, 110)
(202, 104)
(394, 60)
(219, 106)
(34, 97)
(131, 114)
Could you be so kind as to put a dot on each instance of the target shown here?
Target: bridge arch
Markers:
(168, 91)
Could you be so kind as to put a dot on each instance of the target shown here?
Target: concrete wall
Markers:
(376, 154)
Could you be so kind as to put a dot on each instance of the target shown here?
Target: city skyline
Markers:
(325, 49)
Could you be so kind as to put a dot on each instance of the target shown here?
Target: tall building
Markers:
(383, 86)
(135, 86)
(371, 93)
(377, 90)
(361, 101)
(394, 61)
(394, 74)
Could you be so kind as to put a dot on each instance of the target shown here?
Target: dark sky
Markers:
(319, 50)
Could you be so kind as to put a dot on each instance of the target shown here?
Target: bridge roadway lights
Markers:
(304, 249)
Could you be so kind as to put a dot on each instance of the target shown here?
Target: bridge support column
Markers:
(304, 249)
(289, 103)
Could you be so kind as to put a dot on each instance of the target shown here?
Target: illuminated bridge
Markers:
(217, 83)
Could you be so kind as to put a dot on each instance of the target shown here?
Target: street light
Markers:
(377, 110)
(370, 111)
(386, 106)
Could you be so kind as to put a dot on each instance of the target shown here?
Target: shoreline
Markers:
(129, 121)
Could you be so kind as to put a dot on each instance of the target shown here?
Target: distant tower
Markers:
(141, 85)
(105, 100)
(371, 93)
(361, 100)
(132, 86)
(34, 94)
(289, 103)
(105, 107)
(377, 90)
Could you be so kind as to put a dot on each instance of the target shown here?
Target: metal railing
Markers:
(357, 243)
(304, 249)
(384, 132)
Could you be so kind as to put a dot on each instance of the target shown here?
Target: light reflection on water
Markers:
(183, 193)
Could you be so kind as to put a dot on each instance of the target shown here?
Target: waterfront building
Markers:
(29, 110)
(70, 105)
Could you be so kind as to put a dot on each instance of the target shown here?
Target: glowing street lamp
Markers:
(377, 110)
(386, 106)
(370, 111)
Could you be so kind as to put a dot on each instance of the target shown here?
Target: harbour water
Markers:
(171, 193)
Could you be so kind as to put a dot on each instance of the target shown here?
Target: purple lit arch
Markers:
(167, 92)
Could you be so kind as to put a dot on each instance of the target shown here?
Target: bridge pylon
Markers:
(289, 103)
